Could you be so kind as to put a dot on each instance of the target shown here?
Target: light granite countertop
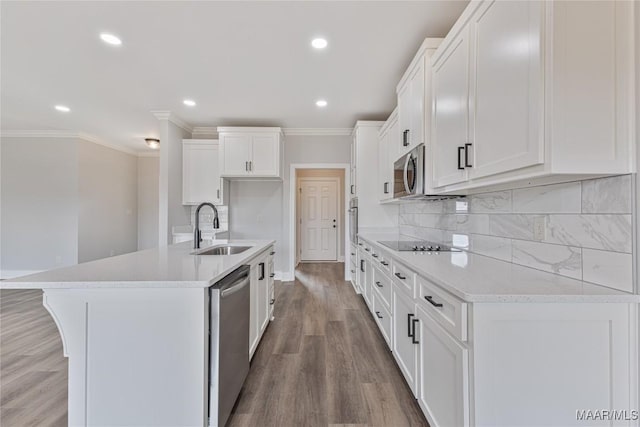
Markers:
(478, 278)
(166, 267)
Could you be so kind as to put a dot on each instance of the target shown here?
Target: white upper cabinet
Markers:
(450, 129)
(201, 180)
(386, 144)
(525, 90)
(250, 152)
(414, 95)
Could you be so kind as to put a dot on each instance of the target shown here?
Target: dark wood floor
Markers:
(33, 370)
(321, 362)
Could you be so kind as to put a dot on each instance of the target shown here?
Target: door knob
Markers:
(334, 220)
(334, 226)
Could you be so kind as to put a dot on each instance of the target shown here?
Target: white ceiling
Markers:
(244, 63)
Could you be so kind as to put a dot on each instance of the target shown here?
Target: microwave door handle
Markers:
(406, 181)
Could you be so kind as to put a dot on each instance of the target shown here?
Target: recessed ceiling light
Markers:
(152, 143)
(62, 108)
(111, 39)
(321, 103)
(189, 102)
(319, 43)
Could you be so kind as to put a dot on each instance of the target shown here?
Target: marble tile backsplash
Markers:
(582, 230)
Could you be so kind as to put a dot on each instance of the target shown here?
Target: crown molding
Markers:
(318, 131)
(64, 134)
(171, 117)
(204, 130)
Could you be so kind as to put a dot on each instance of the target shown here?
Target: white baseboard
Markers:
(341, 258)
(284, 276)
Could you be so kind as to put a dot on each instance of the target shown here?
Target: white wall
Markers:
(64, 201)
(148, 189)
(108, 192)
(171, 212)
(261, 209)
(39, 228)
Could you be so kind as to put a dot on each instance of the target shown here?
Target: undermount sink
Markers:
(223, 250)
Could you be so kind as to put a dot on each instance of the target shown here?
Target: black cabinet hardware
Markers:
(386, 188)
(353, 272)
(362, 265)
(272, 253)
(467, 146)
(218, 193)
(359, 244)
(273, 300)
(400, 276)
(352, 189)
(352, 254)
(272, 275)
(433, 303)
(460, 150)
(261, 265)
(378, 315)
(379, 285)
(367, 249)
(374, 255)
(414, 339)
(410, 324)
(405, 137)
(246, 166)
(384, 263)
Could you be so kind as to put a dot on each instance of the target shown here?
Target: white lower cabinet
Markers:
(504, 363)
(405, 342)
(443, 392)
(259, 306)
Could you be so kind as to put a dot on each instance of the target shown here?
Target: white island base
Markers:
(136, 356)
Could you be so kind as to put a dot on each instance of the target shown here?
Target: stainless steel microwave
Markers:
(408, 174)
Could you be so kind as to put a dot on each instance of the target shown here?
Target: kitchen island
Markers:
(135, 329)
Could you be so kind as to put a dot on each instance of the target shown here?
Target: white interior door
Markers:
(319, 220)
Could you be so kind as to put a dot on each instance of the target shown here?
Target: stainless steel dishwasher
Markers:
(228, 343)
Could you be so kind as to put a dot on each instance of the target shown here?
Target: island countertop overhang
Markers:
(171, 266)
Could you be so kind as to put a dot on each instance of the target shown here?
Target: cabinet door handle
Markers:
(272, 253)
(353, 272)
(362, 265)
(378, 315)
(384, 263)
(246, 166)
(433, 303)
(379, 285)
(414, 339)
(409, 324)
(386, 188)
(467, 146)
(405, 138)
(367, 249)
(352, 254)
(400, 276)
(460, 150)
(261, 265)
(250, 165)
(273, 300)
(218, 193)
(272, 275)
(374, 255)
(352, 189)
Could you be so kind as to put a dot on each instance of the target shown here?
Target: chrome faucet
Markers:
(197, 234)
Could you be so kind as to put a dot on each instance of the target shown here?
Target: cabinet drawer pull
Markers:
(261, 265)
(273, 300)
(362, 265)
(467, 146)
(384, 263)
(400, 276)
(379, 285)
(460, 150)
(414, 339)
(353, 272)
(272, 253)
(367, 249)
(374, 255)
(272, 275)
(352, 254)
(378, 315)
(246, 166)
(433, 303)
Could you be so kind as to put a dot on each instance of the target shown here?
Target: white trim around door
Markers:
(292, 210)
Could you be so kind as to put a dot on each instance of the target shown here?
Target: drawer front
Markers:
(384, 262)
(449, 311)
(353, 254)
(404, 278)
(382, 283)
(383, 316)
